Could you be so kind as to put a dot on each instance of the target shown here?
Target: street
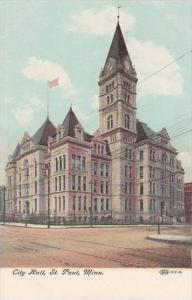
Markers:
(91, 247)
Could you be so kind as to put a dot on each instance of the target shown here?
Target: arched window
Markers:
(109, 122)
(164, 158)
(127, 121)
(26, 168)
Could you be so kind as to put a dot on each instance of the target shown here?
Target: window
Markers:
(102, 169)
(95, 204)
(141, 205)
(141, 155)
(85, 203)
(126, 170)
(101, 187)
(102, 150)
(64, 162)
(26, 168)
(63, 202)
(126, 204)
(141, 188)
(19, 206)
(35, 202)
(73, 161)
(35, 168)
(94, 186)
(74, 203)
(83, 163)
(56, 164)
(108, 99)
(127, 122)
(20, 177)
(79, 203)
(107, 170)
(99, 147)
(130, 171)
(102, 204)
(35, 187)
(64, 183)
(78, 162)
(129, 188)
(109, 122)
(59, 183)
(73, 182)
(79, 183)
(19, 190)
(130, 205)
(95, 168)
(55, 203)
(111, 98)
(55, 183)
(107, 188)
(128, 153)
(59, 203)
(60, 163)
(152, 155)
(141, 172)
(84, 183)
(107, 204)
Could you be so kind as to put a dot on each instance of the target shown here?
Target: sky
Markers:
(45, 39)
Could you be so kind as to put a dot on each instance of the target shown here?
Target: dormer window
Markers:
(59, 135)
(78, 134)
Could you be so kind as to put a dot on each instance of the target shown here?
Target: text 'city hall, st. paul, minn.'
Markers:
(123, 173)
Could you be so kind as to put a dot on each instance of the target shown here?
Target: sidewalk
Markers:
(174, 239)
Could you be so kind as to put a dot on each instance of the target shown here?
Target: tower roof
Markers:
(44, 132)
(118, 49)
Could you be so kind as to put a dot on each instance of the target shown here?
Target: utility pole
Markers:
(4, 208)
(48, 198)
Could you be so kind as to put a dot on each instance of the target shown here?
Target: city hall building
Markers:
(124, 172)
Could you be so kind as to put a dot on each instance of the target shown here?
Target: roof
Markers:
(44, 132)
(118, 49)
(69, 124)
(25, 138)
(16, 152)
(145, 132)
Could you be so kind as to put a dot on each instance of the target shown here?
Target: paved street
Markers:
(91, 247)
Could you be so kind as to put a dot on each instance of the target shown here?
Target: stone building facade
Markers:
(188, 201)
(125, 171)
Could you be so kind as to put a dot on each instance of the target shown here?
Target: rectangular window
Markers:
(141, 188)
(102, 169)
(74, 203)
(126, 201)
(59, 183)
(153, 188)
(79, 183)
(84, 183)
(85, 203)
(141, 155)
(35, 168)
(73, 182)
(19, 206)
(141, 205)
(79, 203)
(35, 201)
(130, 171)
(107, 171)
(83, 163)
(60, 163)
(55, 183)
(126, 187)
(102, 204)
(73, 162)
(59, 203)
(150, 188)
(20, 191)
(126, 170)
(102, 187)
(107, 204)
(129, 188)
(63, 202)
(20, 177)
(55, 203)
(64, 162)
(153, 172)
(107, 187)
(78, 162)
(130, 205)
(35, 187)
(95, 186)
(56, 164)
(95, 204)
(141, 172)
(64, 186)
(95, 168)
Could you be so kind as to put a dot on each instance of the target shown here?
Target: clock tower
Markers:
(117, 123)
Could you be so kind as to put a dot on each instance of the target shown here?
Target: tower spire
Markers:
(118, 8)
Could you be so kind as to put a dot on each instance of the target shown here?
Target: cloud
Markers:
(26, 112)
(100, 22)
(150, 57)
(37, 69)
(186, 159)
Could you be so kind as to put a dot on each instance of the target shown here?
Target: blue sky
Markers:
(42, 40)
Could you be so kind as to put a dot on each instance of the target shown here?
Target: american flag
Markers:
(54, 82)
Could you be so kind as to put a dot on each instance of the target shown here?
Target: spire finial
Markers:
(118, 8)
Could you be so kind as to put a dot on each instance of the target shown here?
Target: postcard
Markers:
(96, 149)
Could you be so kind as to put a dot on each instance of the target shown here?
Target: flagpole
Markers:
(48, 98)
